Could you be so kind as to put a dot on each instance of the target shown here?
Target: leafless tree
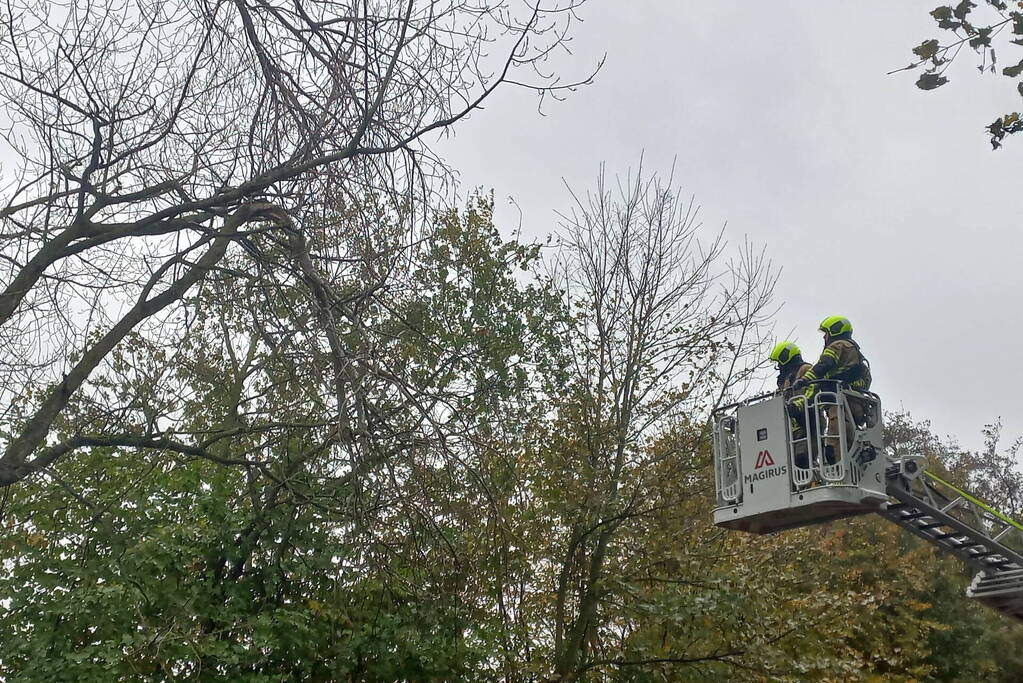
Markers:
(664, 328)
(153, 142)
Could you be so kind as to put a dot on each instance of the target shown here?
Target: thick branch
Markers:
(15, 463)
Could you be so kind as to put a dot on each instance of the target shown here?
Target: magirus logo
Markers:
(764, 459)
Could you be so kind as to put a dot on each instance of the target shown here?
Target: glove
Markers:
(795, 407)
(800, 384)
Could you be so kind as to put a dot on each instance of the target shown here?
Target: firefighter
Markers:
(790, 364)
(843, 363)
(791, 368)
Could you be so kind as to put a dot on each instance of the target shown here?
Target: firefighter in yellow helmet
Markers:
(843, 363)
(791, 368)
(790, 364)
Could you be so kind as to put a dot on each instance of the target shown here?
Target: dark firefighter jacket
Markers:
(787, 376)
(841, 361)
(790, 372)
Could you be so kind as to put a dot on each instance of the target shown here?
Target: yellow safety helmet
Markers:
(835, 325)
(784, 352)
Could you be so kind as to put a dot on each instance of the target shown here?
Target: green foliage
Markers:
(1013, 71)
(994, 653)
(935, 57)
(926, 49)
(165, 567)
(137, 594)
(930, 81)
(462, 557)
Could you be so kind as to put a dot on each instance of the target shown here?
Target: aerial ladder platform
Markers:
(777, 468)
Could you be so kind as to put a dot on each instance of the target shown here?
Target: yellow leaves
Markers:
(916, 605)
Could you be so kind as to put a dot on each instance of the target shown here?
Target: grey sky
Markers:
(881, 202)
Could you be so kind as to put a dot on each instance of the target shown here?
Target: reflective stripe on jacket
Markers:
(841, 360)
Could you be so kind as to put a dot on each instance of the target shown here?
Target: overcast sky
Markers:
(880, 202)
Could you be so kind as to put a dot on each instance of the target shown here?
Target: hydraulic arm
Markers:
(964, 526)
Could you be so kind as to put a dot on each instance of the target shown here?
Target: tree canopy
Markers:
(545, 517)
(273, 408)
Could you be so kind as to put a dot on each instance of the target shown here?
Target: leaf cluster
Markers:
(935, 56)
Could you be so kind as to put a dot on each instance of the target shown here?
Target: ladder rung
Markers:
(965, 548)
(978, 542)
(997, 582)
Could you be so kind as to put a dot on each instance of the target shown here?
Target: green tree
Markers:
(454, 459)
(994, 652)
(153, 143)
(662, 327)
(272, 553)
